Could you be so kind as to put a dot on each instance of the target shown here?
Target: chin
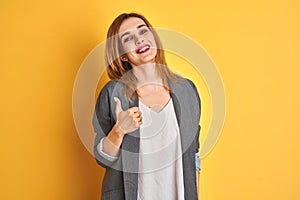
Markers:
(151, 56)
(149, 60)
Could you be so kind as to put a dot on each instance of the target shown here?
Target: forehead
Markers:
(130, 24)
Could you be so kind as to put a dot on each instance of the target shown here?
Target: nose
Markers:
(139, 41)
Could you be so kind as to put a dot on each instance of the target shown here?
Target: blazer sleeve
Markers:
(103, 122)
(196, 144)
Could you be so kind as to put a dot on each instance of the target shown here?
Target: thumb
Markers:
(118, 106)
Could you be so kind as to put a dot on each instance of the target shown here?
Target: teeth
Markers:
(144, 48)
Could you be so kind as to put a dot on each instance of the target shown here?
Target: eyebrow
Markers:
(126, 33)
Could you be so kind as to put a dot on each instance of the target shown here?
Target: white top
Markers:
(160, 161)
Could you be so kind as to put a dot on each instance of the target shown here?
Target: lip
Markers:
(143, 49)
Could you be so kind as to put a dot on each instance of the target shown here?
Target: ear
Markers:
(124, 59)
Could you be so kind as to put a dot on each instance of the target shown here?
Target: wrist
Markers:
(118, 130)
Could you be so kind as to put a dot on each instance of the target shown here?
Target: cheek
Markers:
(128, 48)
(153, 41)
(155, 51)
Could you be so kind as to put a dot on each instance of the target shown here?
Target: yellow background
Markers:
(255, 45)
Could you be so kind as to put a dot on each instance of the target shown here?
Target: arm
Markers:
(113, 141)
(196, 141)
(112, 158)
(127, 121)
(110, 134)
(103, 124)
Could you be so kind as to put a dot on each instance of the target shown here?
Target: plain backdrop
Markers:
(255, 45)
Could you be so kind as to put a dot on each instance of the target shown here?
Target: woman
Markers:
(146, 119)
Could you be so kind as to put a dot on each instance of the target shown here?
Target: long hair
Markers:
(120, 70)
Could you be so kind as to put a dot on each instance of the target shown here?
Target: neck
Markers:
(146, 74)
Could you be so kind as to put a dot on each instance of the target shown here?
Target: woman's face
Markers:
(137, 42)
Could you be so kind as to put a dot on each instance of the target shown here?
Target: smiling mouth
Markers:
(143, 49)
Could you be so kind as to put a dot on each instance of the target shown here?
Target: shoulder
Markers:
(185, 82)
(109, 85)
(192, 84)
(105, 91)
(111, 88)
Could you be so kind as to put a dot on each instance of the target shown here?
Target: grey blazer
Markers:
(121, 178)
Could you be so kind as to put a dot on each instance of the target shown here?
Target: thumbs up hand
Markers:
(127, 120)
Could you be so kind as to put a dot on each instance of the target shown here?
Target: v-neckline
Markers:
(160, 111)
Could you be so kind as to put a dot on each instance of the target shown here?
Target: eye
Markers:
(127, 39)
(143, 31)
